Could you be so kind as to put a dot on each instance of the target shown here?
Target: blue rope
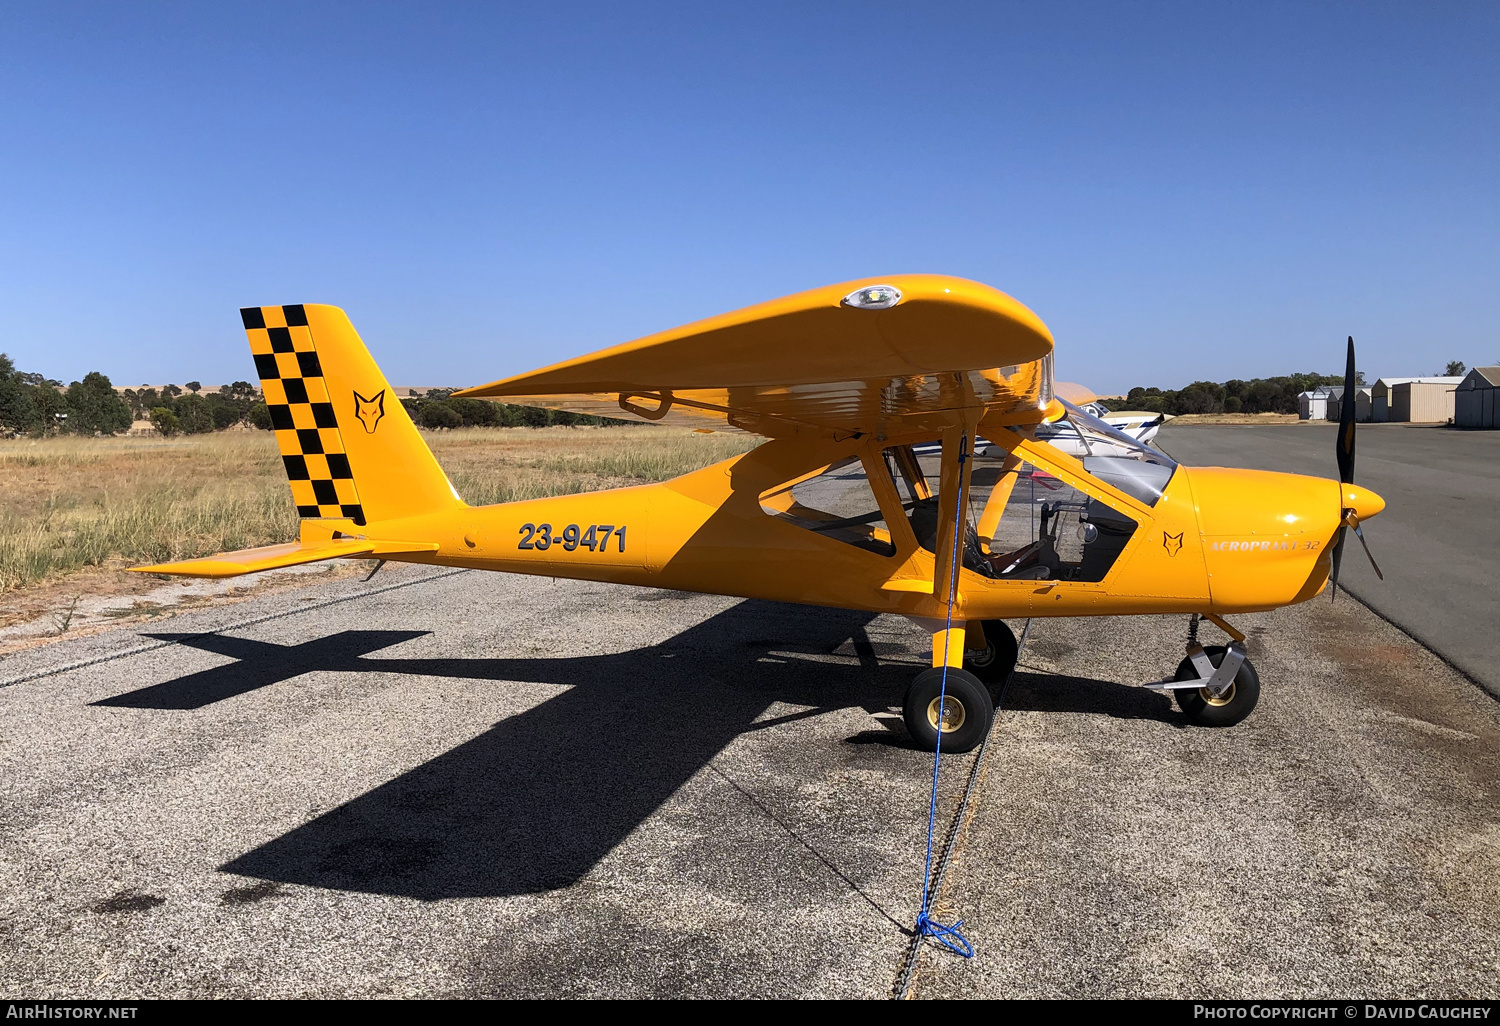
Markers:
(947, 936)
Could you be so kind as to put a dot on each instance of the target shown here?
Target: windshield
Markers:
(1108, 453)
(1093, 437)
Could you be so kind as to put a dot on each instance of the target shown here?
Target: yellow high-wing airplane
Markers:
(835, 508)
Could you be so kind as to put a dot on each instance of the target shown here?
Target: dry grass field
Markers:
(71, 506)
(1186, 419)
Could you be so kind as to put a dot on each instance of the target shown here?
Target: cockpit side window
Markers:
(918, 468)
(1036, 526)
(837, 502)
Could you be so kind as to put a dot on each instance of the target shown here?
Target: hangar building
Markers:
(1420, 400)
(1326, 403)
(1474, 400)
(1313, 404)
(1362, 407)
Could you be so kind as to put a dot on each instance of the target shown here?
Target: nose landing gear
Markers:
(1212, 703)
(1215, 686)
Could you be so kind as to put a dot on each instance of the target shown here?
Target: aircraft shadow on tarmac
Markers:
(535, 802)
(1053, 693)
(259, 664)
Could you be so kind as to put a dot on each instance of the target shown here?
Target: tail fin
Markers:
(350, 450)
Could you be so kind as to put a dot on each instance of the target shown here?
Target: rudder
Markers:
(349, 448)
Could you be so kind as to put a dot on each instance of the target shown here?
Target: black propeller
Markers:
(1344, 447)
(1346, 420)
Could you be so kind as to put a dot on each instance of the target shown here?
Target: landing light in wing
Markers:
(873, 297)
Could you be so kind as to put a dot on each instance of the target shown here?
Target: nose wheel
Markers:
(1223, 705)
(1215, 686)
(962, 711)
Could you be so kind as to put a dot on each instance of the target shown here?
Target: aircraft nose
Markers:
(1364, 502)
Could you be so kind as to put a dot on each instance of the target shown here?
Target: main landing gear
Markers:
(963, 710)
(1215, 686)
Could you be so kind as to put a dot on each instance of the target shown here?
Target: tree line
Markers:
(34, 405)
(175, 410)
(1258, 395)
(438, 409)
(31, 404)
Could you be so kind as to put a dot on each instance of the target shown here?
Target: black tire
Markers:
(1234, 705)
(966, 700)
(994, 664)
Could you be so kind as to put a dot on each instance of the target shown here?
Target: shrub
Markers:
(224, 414)
(94, 406)
(530, 416)
(439, 414)
(165, 421)
(475, 412)
(193, 415)
(18, 410)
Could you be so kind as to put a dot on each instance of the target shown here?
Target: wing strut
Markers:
(948, 936)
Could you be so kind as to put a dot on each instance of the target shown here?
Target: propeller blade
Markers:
(1338, 558)
(1344, 450)
(1361, 536)
(1345, 444)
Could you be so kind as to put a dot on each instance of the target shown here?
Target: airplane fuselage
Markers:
(1218, 540)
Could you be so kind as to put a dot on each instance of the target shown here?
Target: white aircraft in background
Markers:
(1139, 425)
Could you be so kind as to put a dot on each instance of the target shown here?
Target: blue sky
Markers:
(1180, 191)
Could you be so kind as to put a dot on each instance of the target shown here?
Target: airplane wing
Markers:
(883, 355)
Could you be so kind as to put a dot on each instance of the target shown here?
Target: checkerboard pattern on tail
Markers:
(302, 413)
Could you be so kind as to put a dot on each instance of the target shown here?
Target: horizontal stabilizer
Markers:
(275, 557)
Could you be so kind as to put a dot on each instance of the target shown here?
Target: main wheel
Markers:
(963, 710)
(993, 663)
(1203, 707)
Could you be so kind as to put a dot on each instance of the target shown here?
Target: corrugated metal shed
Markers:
(1433, 404)
(1424, 400)
(1380, 397)
(1362, 408)
(1475, 398)
(1314, 403)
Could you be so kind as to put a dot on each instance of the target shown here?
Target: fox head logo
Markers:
(1172, 542)
(369, 411)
